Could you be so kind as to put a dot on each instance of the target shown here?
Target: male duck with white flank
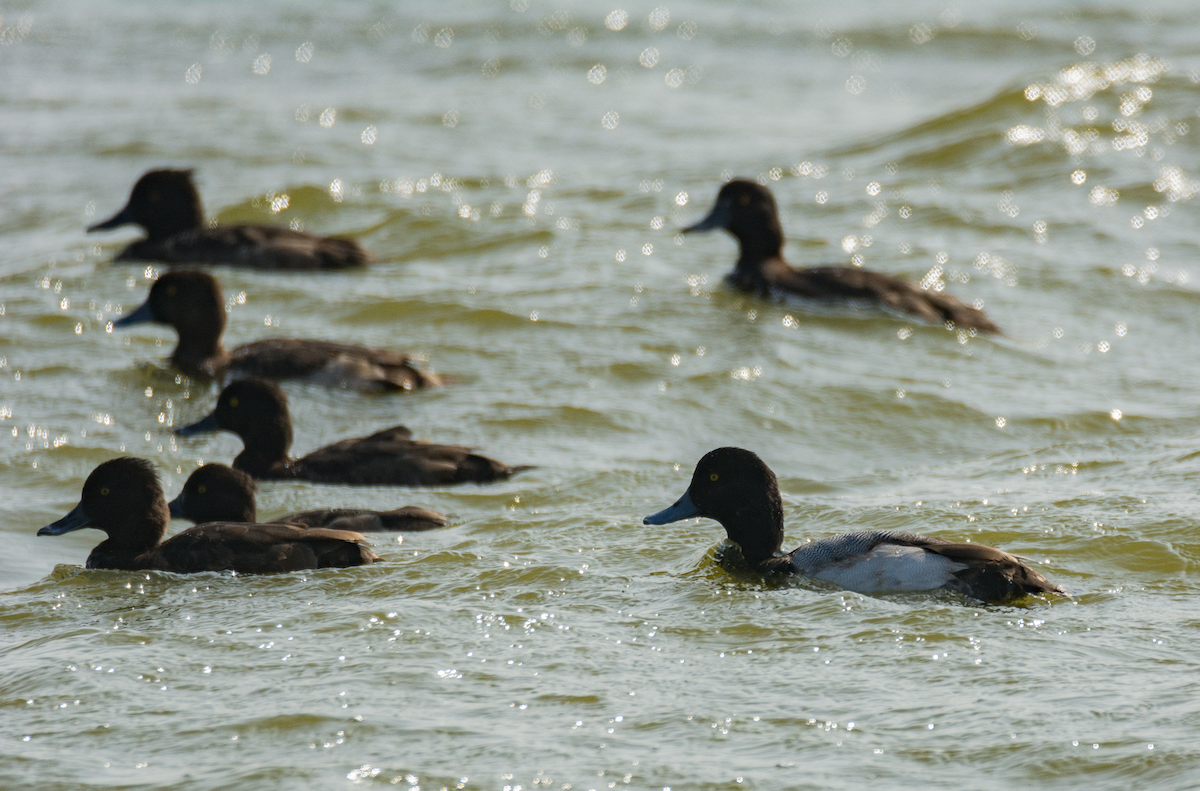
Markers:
(257, 411)
(166, 205)
(123, 497)
(748, 211)
(216, 493)
(734, 487)
(192, 302)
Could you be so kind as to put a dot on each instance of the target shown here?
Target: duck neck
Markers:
(180, 211)
(757, 527)
(760, 244)
(200, 351)
(139, 534)
(267, 447)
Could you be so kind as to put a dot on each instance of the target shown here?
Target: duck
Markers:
(218, 493)
(257, 411)
(193, 303)
(166, 204)
(737, 489)
(124, 498)
(748, 211)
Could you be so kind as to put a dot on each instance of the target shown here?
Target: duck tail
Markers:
(481, 469)
(1000, 583)
(961, 314)
(429, 379)
(346, 553)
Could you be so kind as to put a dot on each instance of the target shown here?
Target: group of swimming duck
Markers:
(124, 498)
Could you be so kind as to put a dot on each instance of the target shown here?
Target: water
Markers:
(531, 252)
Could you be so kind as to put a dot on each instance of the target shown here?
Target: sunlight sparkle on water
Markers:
(616, 20)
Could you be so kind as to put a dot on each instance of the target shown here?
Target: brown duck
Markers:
(124, 498)
(734, 487)
(257, 412)
(216, 493)
(166, 205)
(748, 211)
(192, 302)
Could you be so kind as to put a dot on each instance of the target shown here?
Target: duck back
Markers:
(251, 246)
(410, 519)
(877, 561)
(328, 363)
(257, 549)
(392, 457)
(888, 291)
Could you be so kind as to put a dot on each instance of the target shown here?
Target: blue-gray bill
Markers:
(683, 508)
(123, 217)
(176, 507)
(140, 316)
(200, 427)
(75, 520)
(717, 218)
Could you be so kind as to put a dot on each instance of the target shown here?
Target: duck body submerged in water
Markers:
(123, 497)
(167, 206)
(216, 493)
(748, 211)
(734, 487)
(192, 302)
(257, 411)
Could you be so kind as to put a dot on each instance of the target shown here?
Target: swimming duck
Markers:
(216, 493)
(192, 302)
(734, 487)
(257, 411)
(124, 498)
(748, 211)
(166, 204)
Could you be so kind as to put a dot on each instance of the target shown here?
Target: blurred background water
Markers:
(520, 170)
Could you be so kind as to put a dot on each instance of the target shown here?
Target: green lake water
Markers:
(520, 171)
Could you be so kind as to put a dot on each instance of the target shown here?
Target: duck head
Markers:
(747, 210)
(163, 202)
(216, 493)
(192, 302)
(257, 411)
(122, 497)
(734, 487)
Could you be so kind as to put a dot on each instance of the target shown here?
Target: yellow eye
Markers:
(713, 477)
(201, 489)
(233, 401)
(104, 491)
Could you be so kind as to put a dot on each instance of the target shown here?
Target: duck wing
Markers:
(258, 549)
(846, 282)
(335, 364)
(409, 518)
(391, 457)
(875, 561)
(991, 574)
